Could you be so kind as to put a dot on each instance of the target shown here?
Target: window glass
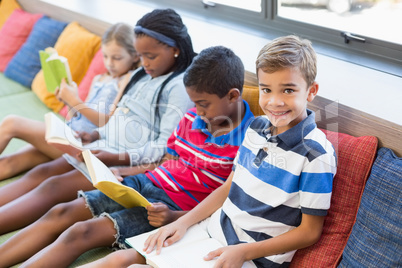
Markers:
(252, 5)
(378, 19)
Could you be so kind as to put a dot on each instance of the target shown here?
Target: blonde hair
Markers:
(123, 35)
(289, 52)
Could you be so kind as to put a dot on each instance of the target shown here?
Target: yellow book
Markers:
(55, 68)
(61, 136)
(104, 180)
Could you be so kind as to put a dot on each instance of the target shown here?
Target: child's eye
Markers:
(288, 91)
(265, 90)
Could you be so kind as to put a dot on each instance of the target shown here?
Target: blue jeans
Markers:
(132, 221)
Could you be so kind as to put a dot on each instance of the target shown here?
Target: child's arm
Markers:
(306, 234)
(68, 94)
(173, 232)
(134, 170)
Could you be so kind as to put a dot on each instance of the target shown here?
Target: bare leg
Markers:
(43, 232)
(30, 131)
(31, 206)
(32, 179)
(14, 164)
(77, 239)
(121, 258)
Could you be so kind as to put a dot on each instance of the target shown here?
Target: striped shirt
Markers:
(276, 179)
(204, 161)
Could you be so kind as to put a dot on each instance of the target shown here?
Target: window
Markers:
(365, 32)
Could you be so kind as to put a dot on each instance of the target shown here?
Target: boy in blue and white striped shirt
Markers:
(279, 191)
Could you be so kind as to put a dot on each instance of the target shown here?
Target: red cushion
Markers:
(97, 67)
(355, 158)
(14, 33)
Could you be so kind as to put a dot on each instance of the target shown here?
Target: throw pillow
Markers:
(26, 64)
(97, 67)
(355, 157)
(251, 95)
(376, 238)
(6, 9)
(14, 34)
(79, 46)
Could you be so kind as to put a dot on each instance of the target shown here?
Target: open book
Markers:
(55, 68)
(187, 252)
(104, 180)
(61, 136)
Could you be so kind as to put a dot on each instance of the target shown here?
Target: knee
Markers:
(51, 186)
(122, 258)
(79, 231)
(10, 125)
(58, 212)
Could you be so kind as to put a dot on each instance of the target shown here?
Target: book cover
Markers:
(55, 68)
(61, 136)
(104, 180)
(187, 252)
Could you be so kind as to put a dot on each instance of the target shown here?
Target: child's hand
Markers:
(230, 256)
(68, 93)
(88, 137)
(159, 214)
(116, 173)
(164, 237)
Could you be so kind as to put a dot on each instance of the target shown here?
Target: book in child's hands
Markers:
(61, 136)
(187, 252)
(104, 180)
(55, 68)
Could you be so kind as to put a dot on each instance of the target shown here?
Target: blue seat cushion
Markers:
(26, 64)
(376, 238)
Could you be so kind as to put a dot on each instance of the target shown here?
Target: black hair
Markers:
(215, 70)
(170, 24)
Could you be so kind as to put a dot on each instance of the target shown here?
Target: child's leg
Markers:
(121, 258)
(30, 240)
(23, 160)
(31, 206)
(30, 131)
(32, 179)
(79, 238)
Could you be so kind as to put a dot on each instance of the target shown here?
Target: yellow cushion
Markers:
(251, 95)
(7, 7)
(79, 46)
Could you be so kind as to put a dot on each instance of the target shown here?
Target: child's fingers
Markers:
(213, 254)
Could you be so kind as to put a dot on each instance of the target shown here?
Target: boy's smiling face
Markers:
(283, 97)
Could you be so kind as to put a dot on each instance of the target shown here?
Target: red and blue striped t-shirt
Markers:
(204, 161)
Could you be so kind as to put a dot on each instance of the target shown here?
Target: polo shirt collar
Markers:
(234, 137)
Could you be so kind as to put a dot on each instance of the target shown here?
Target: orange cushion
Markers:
(355, 158)
(14, 33)
(79, 46)
(97, 67)
(7, 7)
(251, 95)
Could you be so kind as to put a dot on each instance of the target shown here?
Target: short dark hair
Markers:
(215, 70)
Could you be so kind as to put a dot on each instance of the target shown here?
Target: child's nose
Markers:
(275, 101)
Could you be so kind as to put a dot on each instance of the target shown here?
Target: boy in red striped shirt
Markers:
(199, 159)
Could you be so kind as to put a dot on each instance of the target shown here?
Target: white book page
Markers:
(97, 169)
(187, 252)
(56, 128)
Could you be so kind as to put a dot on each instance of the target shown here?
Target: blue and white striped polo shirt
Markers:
(276, 179)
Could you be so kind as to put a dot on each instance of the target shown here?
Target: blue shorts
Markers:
(132, 221)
